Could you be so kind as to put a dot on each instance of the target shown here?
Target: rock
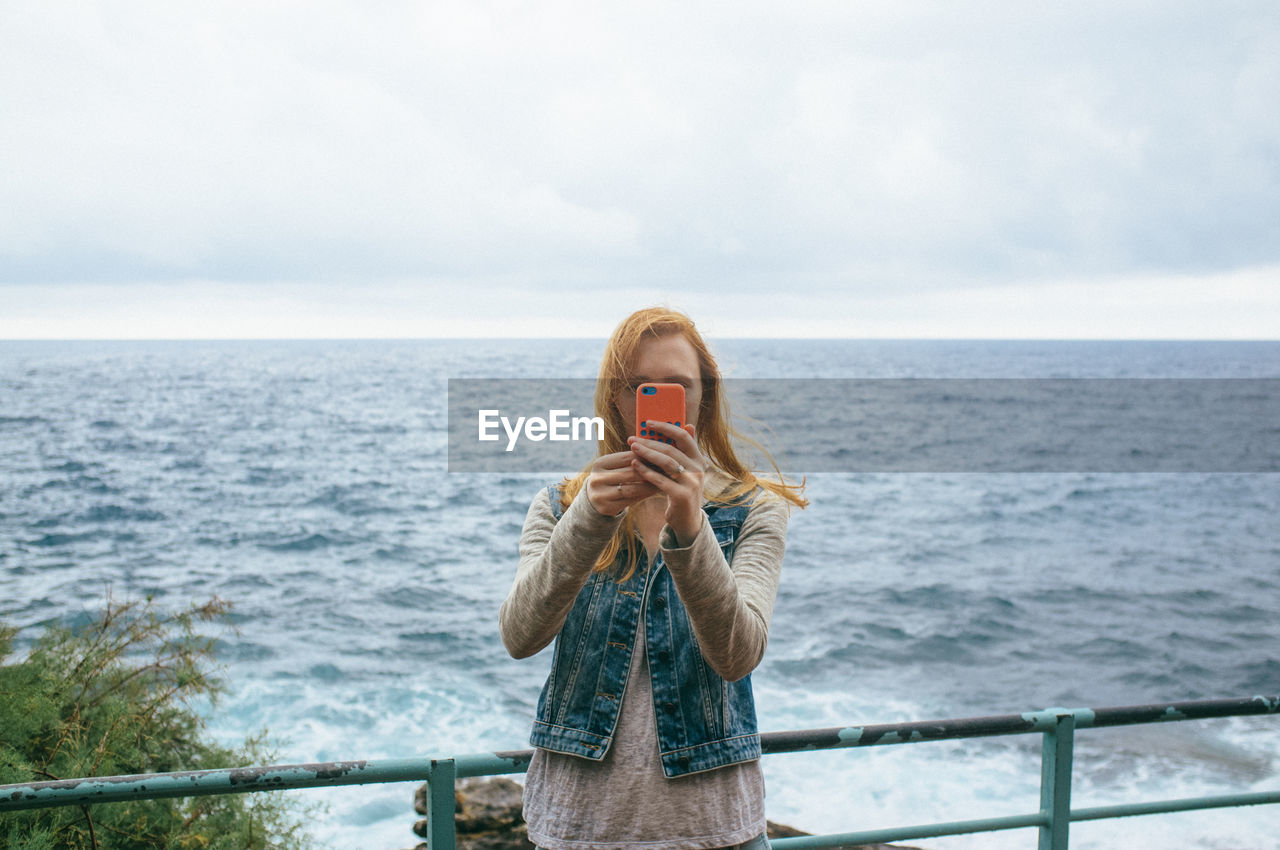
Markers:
(487, 816)
(778, 830)
(508, 839)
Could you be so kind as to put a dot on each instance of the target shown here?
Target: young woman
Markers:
(655, 571)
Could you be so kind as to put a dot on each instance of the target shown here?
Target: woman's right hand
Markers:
(612, 486)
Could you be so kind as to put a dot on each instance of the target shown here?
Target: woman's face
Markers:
(666, 359)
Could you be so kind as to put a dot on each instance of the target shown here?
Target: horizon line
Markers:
(471, 338)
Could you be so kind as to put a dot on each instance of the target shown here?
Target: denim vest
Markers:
(703, 721)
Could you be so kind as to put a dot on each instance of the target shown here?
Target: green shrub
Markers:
(120, 696)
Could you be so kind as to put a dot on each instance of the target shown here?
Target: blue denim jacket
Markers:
(704, 722)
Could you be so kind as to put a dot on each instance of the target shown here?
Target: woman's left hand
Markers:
(679, 476)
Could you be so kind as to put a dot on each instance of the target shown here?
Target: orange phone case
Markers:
(659, 403)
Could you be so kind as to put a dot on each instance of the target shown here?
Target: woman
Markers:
(655, 571)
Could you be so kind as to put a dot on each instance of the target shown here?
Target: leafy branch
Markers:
(118, 697)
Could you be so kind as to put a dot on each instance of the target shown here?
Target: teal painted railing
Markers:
(1057, 726)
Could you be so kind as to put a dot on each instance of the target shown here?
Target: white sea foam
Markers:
(931, 782)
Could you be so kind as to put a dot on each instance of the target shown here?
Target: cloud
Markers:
(1243, 304)
(841, 147)
(163, 146)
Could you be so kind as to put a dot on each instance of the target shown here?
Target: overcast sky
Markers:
(1102, 168)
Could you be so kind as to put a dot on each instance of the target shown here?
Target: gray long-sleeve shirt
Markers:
(625, 800)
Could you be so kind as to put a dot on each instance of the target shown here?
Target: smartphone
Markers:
(659, 403)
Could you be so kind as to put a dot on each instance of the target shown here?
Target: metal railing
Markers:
(1053, 819)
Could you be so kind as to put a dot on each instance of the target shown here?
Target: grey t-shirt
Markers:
(625, 800)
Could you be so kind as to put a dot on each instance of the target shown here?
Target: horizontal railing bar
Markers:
(493, 764)
(1186, 804)
(195, 783)
(909, 833)
(879, 734)
(1011, 724)
(939, 830)
(284, 777)
(1193, 710)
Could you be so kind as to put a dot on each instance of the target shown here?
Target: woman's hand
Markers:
(680, 470)
(613, 485)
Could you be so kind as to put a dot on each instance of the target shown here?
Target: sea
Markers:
(308, 483)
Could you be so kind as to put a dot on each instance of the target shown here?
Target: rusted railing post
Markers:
(1055, 781)
(441, 834)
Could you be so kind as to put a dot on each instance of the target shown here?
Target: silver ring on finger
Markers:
(679, 470)
(619, 488)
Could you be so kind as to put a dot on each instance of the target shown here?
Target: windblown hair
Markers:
(714, 433)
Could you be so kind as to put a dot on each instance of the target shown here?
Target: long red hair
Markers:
(714, 433)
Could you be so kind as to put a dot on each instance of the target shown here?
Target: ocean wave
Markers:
(18, 422)
(87, 483)
(398, 553)
(346, 499)
(57, 540)
(119, 513)
(266, 476)
(303, 542)
(1115, 650)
